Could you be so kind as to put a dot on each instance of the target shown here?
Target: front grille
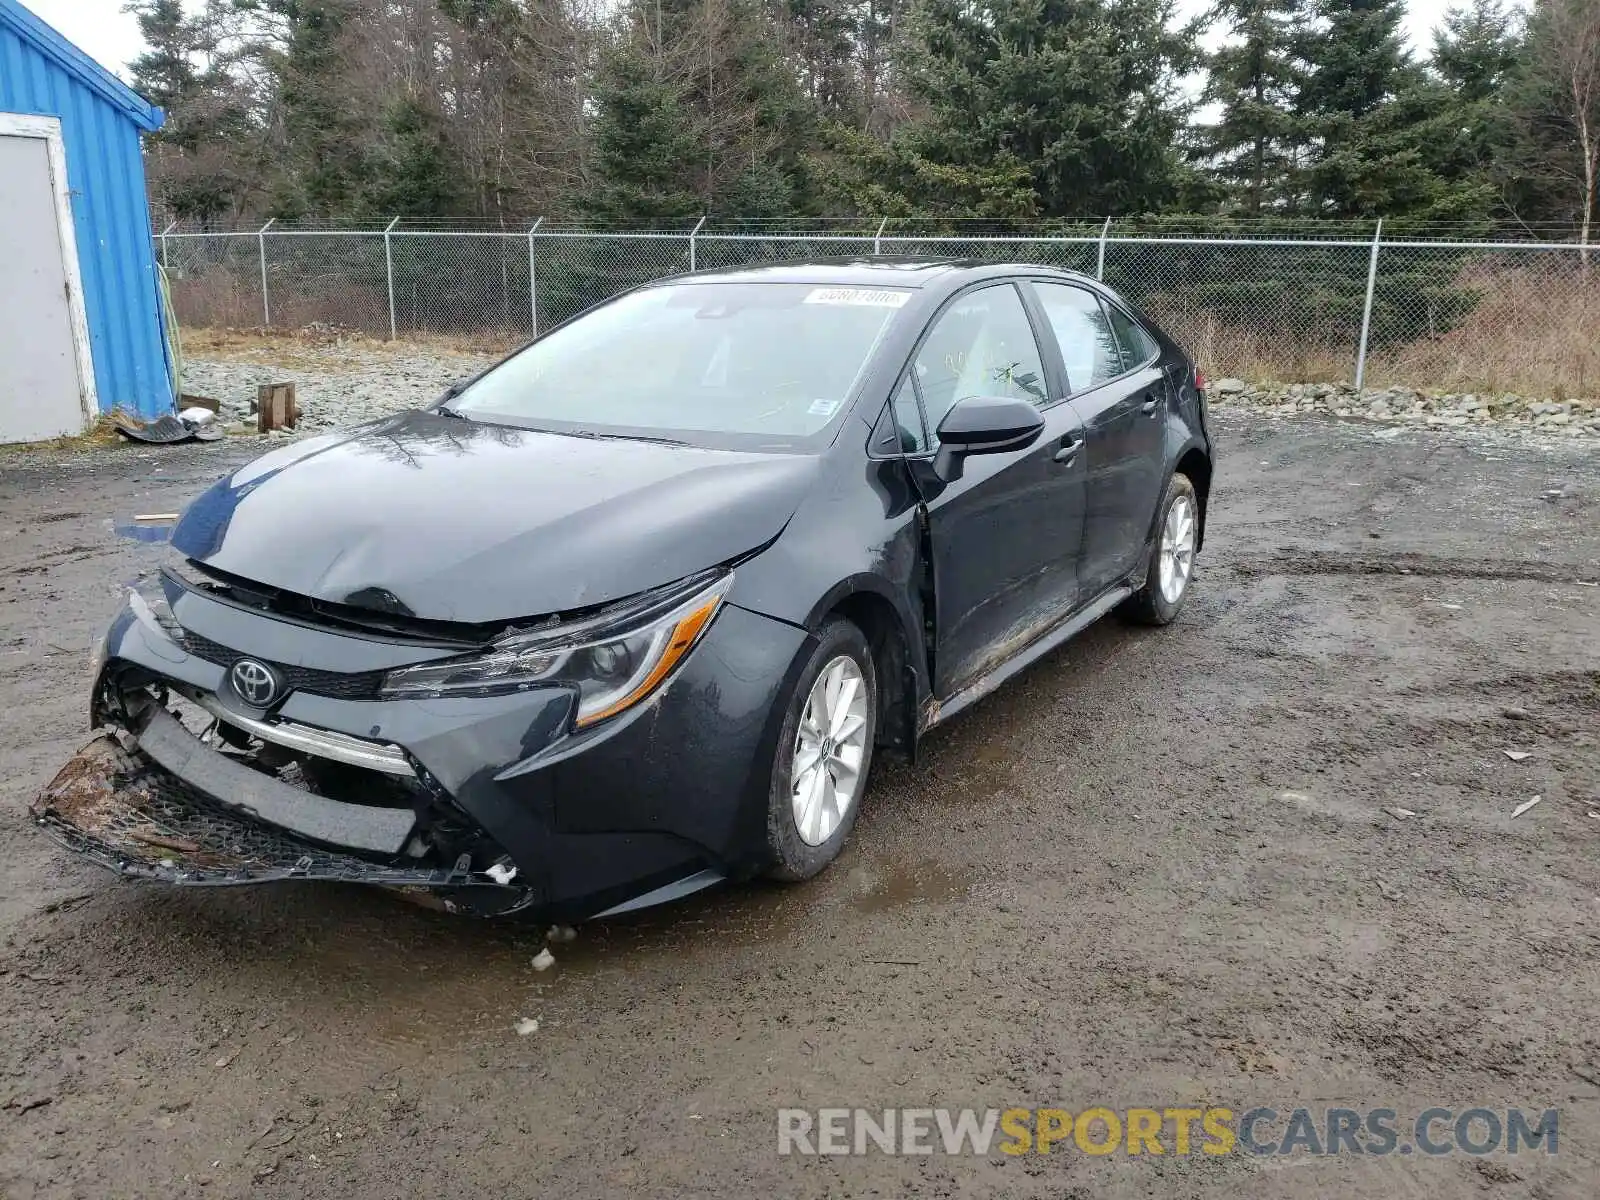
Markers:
(356, 685)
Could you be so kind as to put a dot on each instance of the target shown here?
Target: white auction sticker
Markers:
(868, 297)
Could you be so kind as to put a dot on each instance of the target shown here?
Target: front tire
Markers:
(1171, 569)
(824, 753)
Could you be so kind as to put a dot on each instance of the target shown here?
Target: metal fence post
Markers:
(1366, 309)
(261, 246)
(1100, 262)
(533, 276)
(877, 238)
(388, 270)
(693, 234)
(165, 265)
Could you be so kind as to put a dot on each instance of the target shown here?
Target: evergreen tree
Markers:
(880, 26)
(1081, 93)
(1476, 50)
(1371, 116)
(1255, 79)
(853, 173)
(327, 127)
(165, 73)
(414, 171)
(695, 111)
(1553, 172)
(647, 144)
(824, 35)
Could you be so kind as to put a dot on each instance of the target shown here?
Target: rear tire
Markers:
(1172, 553)
(828, 730)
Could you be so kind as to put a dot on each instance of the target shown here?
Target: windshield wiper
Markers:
(442, 404)
(636, 437)
(594, 435)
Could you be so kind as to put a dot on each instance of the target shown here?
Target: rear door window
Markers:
(1089, 349)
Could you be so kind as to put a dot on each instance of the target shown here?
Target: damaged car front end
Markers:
(245, 735)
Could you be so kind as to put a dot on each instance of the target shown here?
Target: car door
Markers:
(1153, 388)
(1120, 401)
(1004, 534)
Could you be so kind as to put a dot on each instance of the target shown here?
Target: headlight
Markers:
(613, 662)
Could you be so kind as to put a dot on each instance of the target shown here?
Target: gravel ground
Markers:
(1160, 867)
(335, 385)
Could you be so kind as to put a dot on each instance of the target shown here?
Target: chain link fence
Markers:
(1450, 315)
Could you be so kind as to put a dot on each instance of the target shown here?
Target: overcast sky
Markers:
(107, 33)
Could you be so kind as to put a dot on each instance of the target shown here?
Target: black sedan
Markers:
(630, 612)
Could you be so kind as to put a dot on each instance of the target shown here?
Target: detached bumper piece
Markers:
(116, 805)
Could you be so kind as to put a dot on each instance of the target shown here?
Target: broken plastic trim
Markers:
(325, 743)
(358, 826)
(118, 808)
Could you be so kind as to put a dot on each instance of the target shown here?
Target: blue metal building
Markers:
(62, 114)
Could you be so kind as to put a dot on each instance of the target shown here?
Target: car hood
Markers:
(437, 517)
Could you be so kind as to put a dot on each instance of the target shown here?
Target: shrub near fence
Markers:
(1490, 317)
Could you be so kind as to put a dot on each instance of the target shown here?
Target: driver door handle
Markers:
(1068, 451)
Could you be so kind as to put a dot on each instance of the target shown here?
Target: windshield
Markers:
(724, 365)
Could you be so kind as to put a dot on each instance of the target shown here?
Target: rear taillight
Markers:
(1199, 380)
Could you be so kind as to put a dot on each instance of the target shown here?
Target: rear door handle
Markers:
(1148, 408)
(1069, 451)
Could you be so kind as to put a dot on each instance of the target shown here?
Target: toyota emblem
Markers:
(256, 683)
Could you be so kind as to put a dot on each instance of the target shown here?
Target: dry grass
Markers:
(102, 433)
(1534, 330)
(1262, 355)
(1535, 333)
(220, 311)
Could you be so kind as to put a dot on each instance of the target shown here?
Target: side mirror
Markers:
(984, 425)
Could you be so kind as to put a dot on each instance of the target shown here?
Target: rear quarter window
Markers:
(1138, 344)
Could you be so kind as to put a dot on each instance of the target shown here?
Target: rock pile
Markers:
(1403, 405)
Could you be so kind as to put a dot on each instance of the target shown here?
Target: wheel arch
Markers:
(865, 602)
(1195, 463)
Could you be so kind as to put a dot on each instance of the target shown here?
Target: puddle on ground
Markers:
(902, 885)
(143, 531)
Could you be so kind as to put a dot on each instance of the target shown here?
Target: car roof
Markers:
(865, 271)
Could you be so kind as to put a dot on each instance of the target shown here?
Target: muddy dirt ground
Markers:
(1155, 869)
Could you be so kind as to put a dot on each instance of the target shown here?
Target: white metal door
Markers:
(42, 391)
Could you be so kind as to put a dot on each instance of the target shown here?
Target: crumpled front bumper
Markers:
(657, 802)
(117, 807)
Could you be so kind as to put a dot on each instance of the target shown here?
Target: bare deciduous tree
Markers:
(1563, 63)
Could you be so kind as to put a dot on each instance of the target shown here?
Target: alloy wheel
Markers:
(829, 749)
(1177, 549)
